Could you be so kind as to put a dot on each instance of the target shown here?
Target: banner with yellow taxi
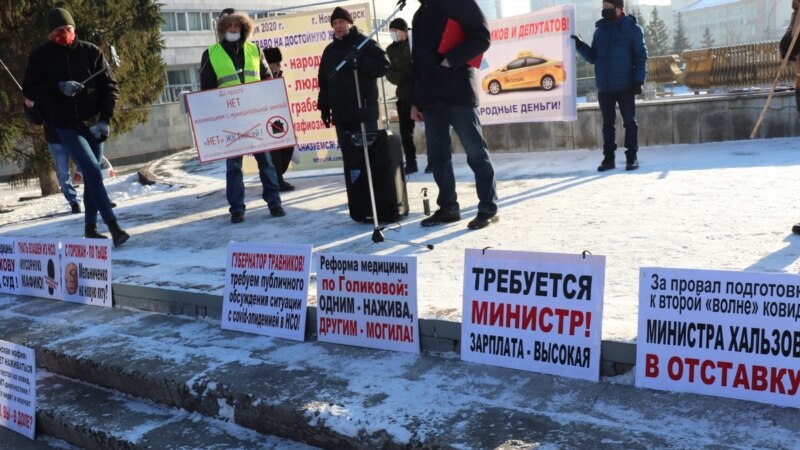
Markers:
(528, 73)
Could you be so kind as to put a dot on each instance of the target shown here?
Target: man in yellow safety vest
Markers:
(235, 60)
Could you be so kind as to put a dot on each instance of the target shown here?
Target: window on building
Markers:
(178, 77)
(199, 21)
(173, 21)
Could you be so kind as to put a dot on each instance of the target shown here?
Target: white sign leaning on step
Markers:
(722, 333)
(39, 268)
(266, 289)
(368, 301)
(87, 271)
(9, 266)
(18, 388)
(541, 312)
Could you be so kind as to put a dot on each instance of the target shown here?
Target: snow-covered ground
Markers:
(726, 205)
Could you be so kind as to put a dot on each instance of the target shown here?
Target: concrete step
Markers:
(10, 440)
(91, 417)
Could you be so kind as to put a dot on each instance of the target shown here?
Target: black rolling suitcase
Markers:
(386, 161)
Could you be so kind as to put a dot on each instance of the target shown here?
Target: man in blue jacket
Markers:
(620, 58)
(444, 93)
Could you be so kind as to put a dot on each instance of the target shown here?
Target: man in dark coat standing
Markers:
(620, 67)
(53, 81)
(337, 101)
(233, 61)
(399, 53)
(444, 93)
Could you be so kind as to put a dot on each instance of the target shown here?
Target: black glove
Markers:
(326, 117)
(636, 88)
(578, 40)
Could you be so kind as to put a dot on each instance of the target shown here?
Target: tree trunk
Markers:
(48, 182)
(44, 171)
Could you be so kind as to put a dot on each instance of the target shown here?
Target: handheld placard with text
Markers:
(241, 120)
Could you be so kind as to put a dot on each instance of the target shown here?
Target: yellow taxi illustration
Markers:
(525, 71)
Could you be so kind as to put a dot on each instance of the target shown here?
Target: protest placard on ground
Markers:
(266, 289)
(368, 301)
(39, 267)
(540, 312)
(723, 333)
(87, 271)
(18, 388)
(9, 266)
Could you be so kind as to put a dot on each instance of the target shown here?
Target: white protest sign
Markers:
(368, 301)
(39, 268)
(9, 265)
(240, 120)
(722, 333)
(18, 388)
(266, 289)
(87, 271)
(540, 312)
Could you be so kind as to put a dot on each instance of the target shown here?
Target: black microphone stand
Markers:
(352, 58)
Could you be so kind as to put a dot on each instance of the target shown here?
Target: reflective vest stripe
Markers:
(225, 70)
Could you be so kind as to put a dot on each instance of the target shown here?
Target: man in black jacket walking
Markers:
(444, 94)
(53, 81)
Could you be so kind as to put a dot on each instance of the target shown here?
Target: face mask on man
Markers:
(232, 37)
(609, 13)
(394, 36)
(64, 39)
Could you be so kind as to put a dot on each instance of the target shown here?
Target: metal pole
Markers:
(10, 74)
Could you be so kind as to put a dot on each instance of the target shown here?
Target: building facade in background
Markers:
(492, 9)
(188, 27)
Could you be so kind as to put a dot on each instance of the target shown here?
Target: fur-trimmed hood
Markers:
(243, 19)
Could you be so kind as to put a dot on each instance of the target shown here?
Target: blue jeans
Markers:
(88, 154)
(467, 126)
(627, 108)
(234, 186)
(61, 162)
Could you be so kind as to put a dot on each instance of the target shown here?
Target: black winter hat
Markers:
(399, 24)
(341, 13)
(58, 17)
(617, 3)
(273, 55)
(227, 11)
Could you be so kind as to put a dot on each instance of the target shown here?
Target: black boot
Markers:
(631, 163)
(118, 235)
(90, 232)
(607, 163)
